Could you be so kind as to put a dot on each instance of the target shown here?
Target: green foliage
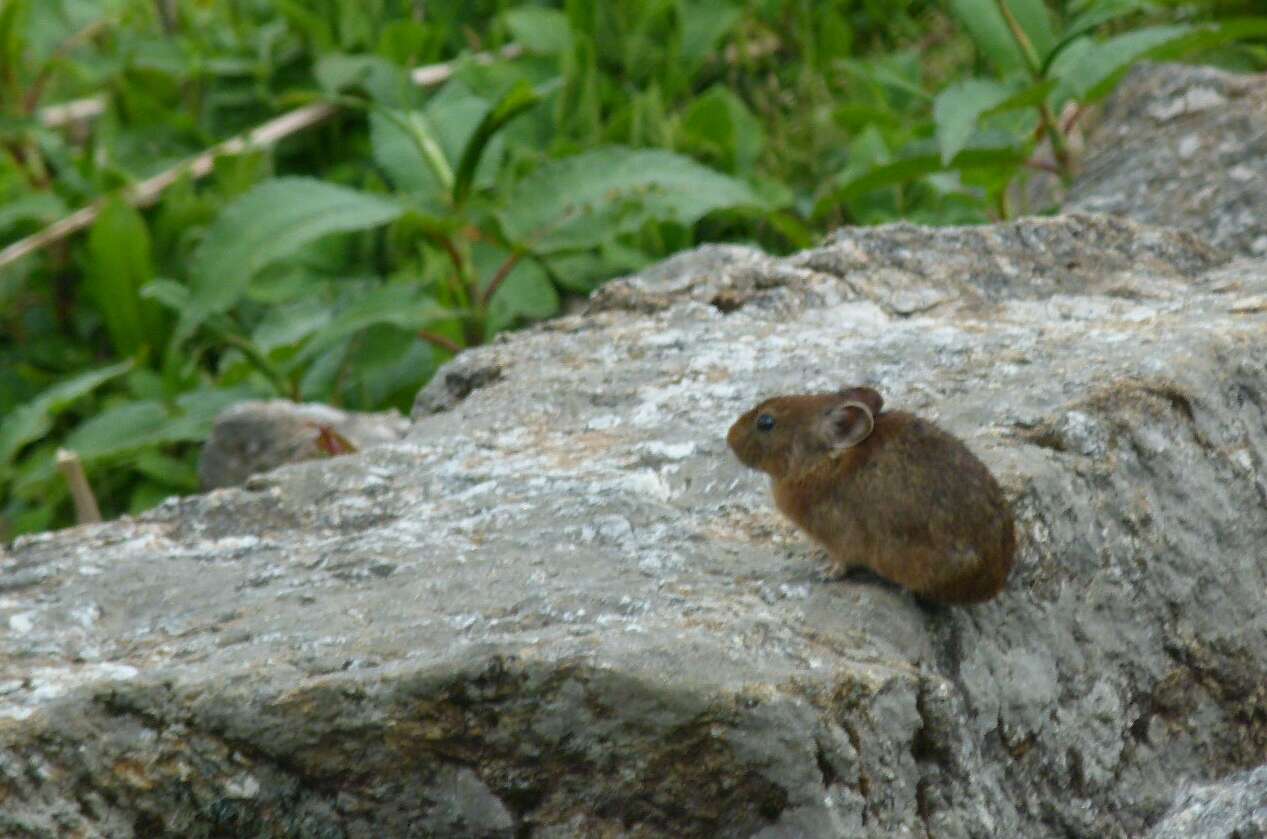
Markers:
(272, 221)
(348, 261)
(118, 264)
(586, 199)
(1045, 66)
(29, 422)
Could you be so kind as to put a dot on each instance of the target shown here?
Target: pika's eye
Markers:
(765, 422)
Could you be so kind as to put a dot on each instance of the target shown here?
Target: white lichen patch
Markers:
(1191, 101)
(42, 684)
(22, 622)
(668, 451)
(647, 482)
(242, 787)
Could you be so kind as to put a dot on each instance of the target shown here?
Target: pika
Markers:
(887, 491)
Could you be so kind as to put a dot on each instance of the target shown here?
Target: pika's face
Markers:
(779, 431)
(788, 432)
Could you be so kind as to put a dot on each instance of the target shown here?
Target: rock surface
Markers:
(253, 437)
(1182, 146)
(1236, 808)
(560, 608)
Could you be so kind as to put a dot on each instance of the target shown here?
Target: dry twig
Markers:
(72, 469)
(147, 191)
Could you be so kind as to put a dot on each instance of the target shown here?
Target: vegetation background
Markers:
(389, 220)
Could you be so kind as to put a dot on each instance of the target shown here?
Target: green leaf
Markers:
(33, 419)
(399, 305)
(41, 207)
(270, 222)
(957, 109)
(404, 41)
(386, 366)
(383, 81)
(320, 380)
(416, 149)
(1088, 14)
(291, 323)
(171, 472)
(855, 116)
(1026, 97)
(719, 127)
(1086, 21)
(832, 36)
(169, 293)
(117, 268)
(1094, 69)
(793, 229)
(703, 25)
(12, 25)
(580, 201)
(356, 24)
(583, 16)
(400, 148)
(544, 31)
(1210, 36)
(581, 272)
(514, 102)
(990, 32)
(310, 23)
(889, 71)
(136, 425)
(906, 169)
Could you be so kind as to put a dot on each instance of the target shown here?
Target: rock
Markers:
(907, 269)
(455, 381)
(706, 274)
(1234, 807)
(253, 437)
(1182, 146)
(560, 608)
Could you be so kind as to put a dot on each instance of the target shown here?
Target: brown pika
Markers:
(885, 490)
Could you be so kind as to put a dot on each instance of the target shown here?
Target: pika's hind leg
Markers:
(858, 569)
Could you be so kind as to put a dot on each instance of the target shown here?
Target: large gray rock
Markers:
(1234, 808)
(1183, 146)
(560, 607)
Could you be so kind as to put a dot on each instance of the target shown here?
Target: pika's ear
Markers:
(849, 422)
(867, 396)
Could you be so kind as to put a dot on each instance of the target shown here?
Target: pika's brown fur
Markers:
(886, 491)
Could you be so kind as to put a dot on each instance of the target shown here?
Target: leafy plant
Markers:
(1047, 68)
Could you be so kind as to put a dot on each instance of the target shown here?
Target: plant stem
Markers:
(459, 267)
(440, 341)
(1032, 60)
(415, 128)
(1043, 166)
(1059, 148)
(500, 277)
(460, 287)
(1034, 63)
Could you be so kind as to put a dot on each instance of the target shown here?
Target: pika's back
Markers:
(931, 512)
(906, 451)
